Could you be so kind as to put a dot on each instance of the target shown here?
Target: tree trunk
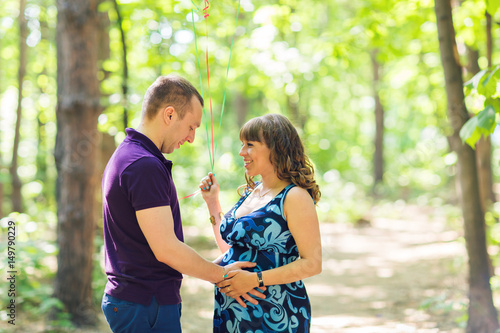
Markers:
(1, 182)
(40, 160)
(483, 152)
(241, 107)
(75, 153)
(1, 159)
(472, 62)
(125, 66)
(106, 148)
(483, 146)
(17, 202)
(482, 313)
(293, 107)
(378, 157)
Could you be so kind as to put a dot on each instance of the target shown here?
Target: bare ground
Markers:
(400, 274)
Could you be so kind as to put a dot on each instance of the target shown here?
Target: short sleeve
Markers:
(147, 183)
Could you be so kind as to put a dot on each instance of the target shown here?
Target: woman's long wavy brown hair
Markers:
(287, 151)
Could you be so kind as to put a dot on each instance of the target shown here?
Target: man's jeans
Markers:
(129, 317)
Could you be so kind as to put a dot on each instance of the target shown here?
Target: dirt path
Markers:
(401, 274)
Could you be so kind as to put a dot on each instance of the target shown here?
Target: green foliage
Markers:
(443, 304)
(280, 58)
(492, 6)
(482, 124)
(482, 90)
(34, 262)
(35, 265)
(309, 60)
(99, 278)
(484, 86)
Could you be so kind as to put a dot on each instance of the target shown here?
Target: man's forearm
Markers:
(187, 261)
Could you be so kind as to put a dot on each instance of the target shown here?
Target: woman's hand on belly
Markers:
(240, 283)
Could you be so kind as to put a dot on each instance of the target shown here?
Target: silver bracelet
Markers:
(259, 277)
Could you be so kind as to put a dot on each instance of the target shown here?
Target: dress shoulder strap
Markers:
(288, 188)
(281, 197)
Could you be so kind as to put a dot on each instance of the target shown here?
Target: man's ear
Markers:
(168, 114)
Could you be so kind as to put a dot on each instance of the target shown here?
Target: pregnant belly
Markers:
(265, 259)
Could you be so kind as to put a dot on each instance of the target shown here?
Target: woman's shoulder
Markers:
(297, 194)
(298, 201)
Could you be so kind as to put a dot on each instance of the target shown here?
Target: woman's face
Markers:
(256, 157)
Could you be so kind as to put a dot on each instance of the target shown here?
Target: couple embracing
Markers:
(269, 239)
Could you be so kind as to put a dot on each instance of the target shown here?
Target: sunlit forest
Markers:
(396, 102)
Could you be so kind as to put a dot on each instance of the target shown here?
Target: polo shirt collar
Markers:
(146, 142)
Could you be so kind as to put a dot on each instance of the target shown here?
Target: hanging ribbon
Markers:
(227, 72)
(212, 145)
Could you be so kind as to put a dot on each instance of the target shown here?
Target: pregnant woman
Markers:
(275, 225)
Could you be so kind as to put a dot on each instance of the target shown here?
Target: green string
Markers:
(225, 83)
(227, 74)
(197, 8)
(201, 87)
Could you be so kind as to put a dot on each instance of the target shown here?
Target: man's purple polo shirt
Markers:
(137, 177)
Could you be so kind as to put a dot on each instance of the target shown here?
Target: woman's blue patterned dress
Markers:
(262, 237)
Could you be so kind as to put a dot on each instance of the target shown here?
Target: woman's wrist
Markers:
(213, 206)
(214, 209)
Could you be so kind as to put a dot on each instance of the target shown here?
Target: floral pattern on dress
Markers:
(263, 237)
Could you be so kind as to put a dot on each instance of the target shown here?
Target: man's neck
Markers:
(150, 133)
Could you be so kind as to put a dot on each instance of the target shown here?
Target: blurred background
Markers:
(362, 81)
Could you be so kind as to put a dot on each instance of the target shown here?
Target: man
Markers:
(145, 256)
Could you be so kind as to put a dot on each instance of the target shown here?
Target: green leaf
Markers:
(474, 138)
(494, 103)
(488, 84)
(486, 119)
(493, 73)
(474, 82)
(482, 124)
(468, 131)
(492, 6)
